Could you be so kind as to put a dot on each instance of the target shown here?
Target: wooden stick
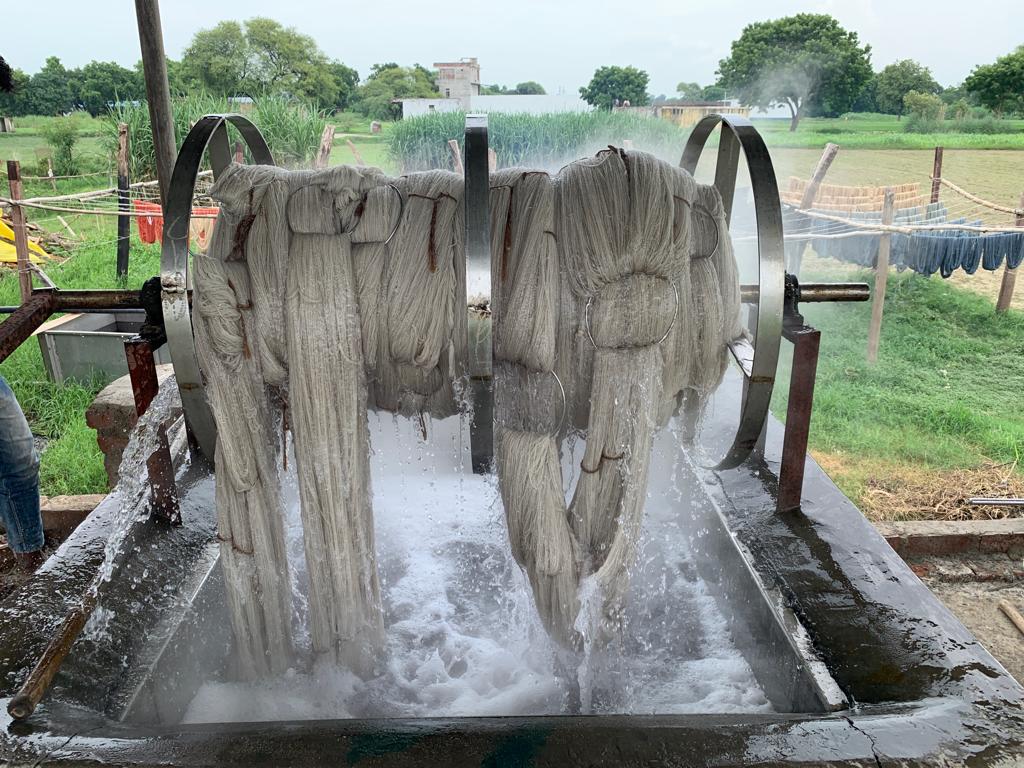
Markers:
(20, 233)
(67, 226)
(453, 145)
(1012, 614)
(492, 160)
(811, 193)
(1009, 275)
(124, 224)
(936, 175)
(39, 679)
(881, 278)
(323, 155)
(49, 172)
(239, 153)
(355, 152)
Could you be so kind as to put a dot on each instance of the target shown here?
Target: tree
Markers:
(690, 91)
(347, 80)
(99, 84)
(616, 84)
(16, 102)
(806, 61)
(897, 80)
(218, 59)
(389, 82)
(1000, 85)
(49, 90)
(6, 77)
(926, 106)
(529, 88)
(262, 56)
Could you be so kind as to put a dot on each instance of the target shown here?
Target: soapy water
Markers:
(462, 635)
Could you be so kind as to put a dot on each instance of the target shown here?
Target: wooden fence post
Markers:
(881, 277)
(1009, 275)
(239, 153)
(124, 222)
(453, 145)
(323, 155)
(158, 92)
(20, 232)
(809, 196)
(936, 175)
(355, 152)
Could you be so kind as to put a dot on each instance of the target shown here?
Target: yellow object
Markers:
(7, 253)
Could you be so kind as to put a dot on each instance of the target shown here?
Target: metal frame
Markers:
(480, 347)
(208, 134)
(760, 363)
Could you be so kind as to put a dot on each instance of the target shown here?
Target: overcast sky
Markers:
(558, 44)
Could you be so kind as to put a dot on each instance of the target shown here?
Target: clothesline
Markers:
(981, 201)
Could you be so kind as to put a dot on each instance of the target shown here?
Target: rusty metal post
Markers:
(145, 385)
(806, 343)
(24, 321)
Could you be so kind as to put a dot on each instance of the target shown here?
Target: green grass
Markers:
(944, 393)
(72, 461)
(882, 132)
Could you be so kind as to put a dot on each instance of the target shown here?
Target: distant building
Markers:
(684, 112)
(539, 104)
(458, 80)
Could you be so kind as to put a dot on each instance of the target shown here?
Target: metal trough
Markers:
(860, 661)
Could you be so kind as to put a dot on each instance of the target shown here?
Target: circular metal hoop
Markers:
(671, 325)
(208, 134)
(738, 133)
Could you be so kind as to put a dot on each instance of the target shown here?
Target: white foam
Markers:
(463, 637)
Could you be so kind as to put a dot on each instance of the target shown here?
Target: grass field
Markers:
(882, 132)
(942, 396)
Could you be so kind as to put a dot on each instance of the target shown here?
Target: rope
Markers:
(981, 201)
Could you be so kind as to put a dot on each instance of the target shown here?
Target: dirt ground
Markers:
(976, 604)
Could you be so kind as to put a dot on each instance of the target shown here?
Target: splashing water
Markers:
(463, 637)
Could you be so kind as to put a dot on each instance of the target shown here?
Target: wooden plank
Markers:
(158, 92)
(20, 232)
(881, 278)
(1009, 275)
(453, 145)
(323, 155)
(124, 223)
(936, 175)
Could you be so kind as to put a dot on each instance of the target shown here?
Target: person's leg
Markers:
(19, 473)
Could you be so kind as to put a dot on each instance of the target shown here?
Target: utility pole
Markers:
(158, 91)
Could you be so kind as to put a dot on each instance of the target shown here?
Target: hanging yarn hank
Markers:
(327, 293)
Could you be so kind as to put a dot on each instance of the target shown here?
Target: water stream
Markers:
(463, 637)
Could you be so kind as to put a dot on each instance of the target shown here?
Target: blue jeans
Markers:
(19, 477)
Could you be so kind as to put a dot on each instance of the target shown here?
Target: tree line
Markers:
(813, 66)
(254, 58)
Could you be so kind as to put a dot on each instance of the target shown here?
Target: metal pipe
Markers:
(24, 321)
(817, 292)
(993, 502)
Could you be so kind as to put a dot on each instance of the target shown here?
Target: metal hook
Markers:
(671, 325)
(401, 212)
(718, 234)
(565, 407)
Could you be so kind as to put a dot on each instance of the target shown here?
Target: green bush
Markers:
(292, 129)
(926, 106)
(545, 141)
(982, 125)
(61, 134)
